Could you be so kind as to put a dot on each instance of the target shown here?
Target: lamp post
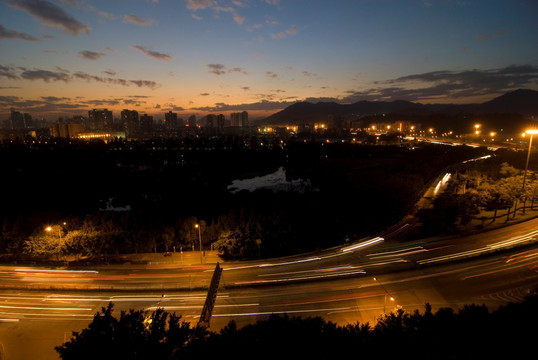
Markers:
(531, 133)
(386, 294)
(200, 241)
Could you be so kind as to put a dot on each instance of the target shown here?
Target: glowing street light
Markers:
(49, 229)
(200, 240)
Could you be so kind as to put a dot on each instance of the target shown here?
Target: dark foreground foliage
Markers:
(470, 333)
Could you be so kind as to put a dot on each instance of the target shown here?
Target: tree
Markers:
(134, 336)
(47, 242)
(235, 244)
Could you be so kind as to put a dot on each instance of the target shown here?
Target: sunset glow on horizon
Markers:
(65, 57)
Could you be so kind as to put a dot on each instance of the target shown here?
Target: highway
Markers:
(39, 307)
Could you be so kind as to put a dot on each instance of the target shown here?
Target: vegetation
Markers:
(165, 187)
(470, 333)
(481, 190)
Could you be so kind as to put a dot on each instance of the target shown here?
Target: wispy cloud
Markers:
(17, 73)
(133, 19)
(196, 5)
(486, 37)
(151, 53)
(291, 31)
(90, 55)
(51, 14)
(220, 69)
(15, 35)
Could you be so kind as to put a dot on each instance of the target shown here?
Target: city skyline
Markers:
(66, 57)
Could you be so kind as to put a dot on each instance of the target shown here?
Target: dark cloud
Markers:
(15, 35)
(217, 69)
(152, 54)
(51, 15)
(45, 75)
(90, 55)
(11, 73)
(451, 84)
(220, 69)
(8, 72)
(263, 105)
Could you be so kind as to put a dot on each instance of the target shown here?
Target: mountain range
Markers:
(518, 104)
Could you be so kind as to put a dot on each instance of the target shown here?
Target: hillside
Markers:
(522, 102)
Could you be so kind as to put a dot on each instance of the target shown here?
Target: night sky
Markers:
(65, 57)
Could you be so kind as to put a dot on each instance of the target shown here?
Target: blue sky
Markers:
(64, 57)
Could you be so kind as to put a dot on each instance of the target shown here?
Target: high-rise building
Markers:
(171, 121)
(239, 119)
(146, 124)
(192, 121)
(100, 119)
(130, 122)
(220, 121)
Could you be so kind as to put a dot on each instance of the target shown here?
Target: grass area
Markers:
(484, 220)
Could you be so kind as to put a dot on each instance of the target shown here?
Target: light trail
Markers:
(363, 244)
(517, 240)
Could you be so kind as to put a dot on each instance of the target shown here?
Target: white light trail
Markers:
(363, 244)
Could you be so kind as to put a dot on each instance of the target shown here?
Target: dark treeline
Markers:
(169, 186)
(470, 333)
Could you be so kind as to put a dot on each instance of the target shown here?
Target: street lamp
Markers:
(386, 294)
(531, 133)
(200, 240)
(49, 229)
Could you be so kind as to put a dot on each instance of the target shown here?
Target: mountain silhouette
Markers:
(522, 102)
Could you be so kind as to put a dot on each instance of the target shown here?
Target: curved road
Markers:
(42, 306)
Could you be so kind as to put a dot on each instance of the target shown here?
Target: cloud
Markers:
(200, 4)
(271, 75)
(220, 69)
(11, 73)
(136, 20)
(486, 37)
(263, 105)
(217, 69)
(309, 74)
(45, 75)
(195, 5)
(51, 15)
(291, 31)
(106, 15)
(90, 55)
(451, 84)
(15, 35)
(8, 72)
(237, 69)
(152, 54)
